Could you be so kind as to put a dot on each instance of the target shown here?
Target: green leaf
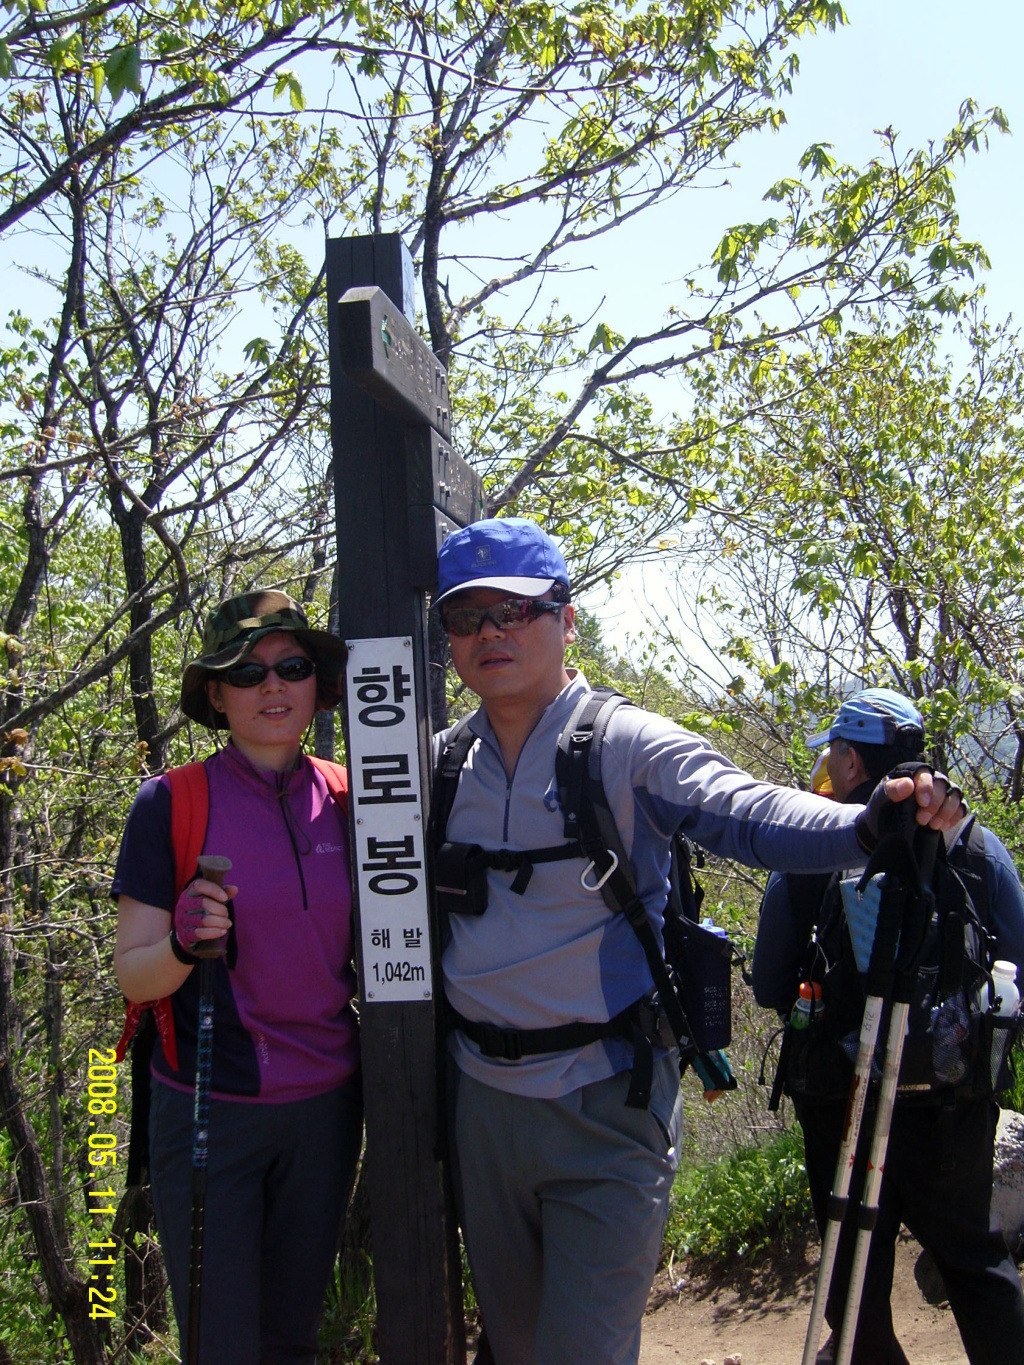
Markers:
(258, 351)
(123, 71)
(818, 160)
(288, 81)
(65, 54)
(604, 339)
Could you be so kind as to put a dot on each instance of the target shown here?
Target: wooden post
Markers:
(399, 488)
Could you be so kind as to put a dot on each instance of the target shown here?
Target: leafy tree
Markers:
(864, 532)
(86, 82)
(163, 385)
(562, 124)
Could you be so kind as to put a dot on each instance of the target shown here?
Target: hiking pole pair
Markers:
(904, 912)
(207, 951)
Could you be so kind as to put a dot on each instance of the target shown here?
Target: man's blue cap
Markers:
(509, 553)
(875, 716)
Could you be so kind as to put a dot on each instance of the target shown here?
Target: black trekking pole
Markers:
(207, 951)
(916, 916)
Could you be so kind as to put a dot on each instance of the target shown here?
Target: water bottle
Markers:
(950, 1027)
(1007, 998)
(808, 1004)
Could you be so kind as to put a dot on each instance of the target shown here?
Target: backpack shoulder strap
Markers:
(589, 818)
(336, 777)
(685, 889)
(190, 814)
(459, 741)
(578, 760)
(967, 858)
(581, 794)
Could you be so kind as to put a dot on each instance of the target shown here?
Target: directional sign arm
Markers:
(438, 477)
(381, 353)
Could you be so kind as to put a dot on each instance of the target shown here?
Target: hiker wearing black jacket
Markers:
(938, 1166)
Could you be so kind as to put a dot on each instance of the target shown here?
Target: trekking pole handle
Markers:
(884, 947)
(918, 914)
(926, 849)
(213, 868)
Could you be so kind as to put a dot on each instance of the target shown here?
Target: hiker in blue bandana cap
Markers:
(938, 1165)
(562, 1187)
(877, 716)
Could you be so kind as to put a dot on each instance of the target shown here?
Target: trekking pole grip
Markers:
(212, 868)
(884, 946)
(920, 905)
(926, 850)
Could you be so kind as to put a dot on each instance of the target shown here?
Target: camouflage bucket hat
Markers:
(231, 631)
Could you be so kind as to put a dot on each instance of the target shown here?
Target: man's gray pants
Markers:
(563, 1205)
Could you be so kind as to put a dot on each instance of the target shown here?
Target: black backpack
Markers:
(948, 1047)
(691, 996)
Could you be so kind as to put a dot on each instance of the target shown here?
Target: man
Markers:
(563, 1188)
(938, 1167)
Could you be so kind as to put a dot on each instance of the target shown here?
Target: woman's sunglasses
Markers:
(251, 673)
(509, 614)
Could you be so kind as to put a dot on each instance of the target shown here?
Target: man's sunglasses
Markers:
(251, 672)
(511, 613)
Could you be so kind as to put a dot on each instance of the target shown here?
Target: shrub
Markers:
(736, 1205)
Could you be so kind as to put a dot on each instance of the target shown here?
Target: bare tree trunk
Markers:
(1017, 779)
(324, 722)
(145, 1309)
(140, 661)
(356, 1243)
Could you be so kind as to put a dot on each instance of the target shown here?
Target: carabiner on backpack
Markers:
(596, 886)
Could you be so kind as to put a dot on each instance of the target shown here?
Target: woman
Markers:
(285, 1114)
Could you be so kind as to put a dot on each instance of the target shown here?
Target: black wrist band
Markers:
(179, 950)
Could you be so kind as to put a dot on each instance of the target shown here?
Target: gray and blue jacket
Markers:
(557, 954)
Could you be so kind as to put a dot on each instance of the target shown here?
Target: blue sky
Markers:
(905, 63)
(911, 63)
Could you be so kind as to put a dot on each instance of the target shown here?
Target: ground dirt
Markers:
(757, 1313)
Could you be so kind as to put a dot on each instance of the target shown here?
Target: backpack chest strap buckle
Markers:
(494, 1041)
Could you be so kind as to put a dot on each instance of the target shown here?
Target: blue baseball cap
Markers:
(875, 716)
(509, 553)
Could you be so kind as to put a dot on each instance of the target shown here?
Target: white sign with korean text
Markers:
(384, 782)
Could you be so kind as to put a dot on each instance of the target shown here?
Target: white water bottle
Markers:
(1004, 986)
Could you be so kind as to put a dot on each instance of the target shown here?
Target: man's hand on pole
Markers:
(940, 803)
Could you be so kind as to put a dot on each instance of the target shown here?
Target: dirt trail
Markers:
(760, 1314)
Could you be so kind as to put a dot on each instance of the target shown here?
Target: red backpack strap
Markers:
(164, 1016)
(336, 778)
(190, 814)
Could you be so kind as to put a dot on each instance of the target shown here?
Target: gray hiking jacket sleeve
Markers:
(659, 776)
(556, 953)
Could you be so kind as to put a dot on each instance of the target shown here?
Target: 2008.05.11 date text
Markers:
(101, 1202)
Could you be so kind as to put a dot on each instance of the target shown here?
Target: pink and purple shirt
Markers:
(284, 1028)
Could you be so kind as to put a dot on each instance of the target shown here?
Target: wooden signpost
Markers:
(399, 489)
